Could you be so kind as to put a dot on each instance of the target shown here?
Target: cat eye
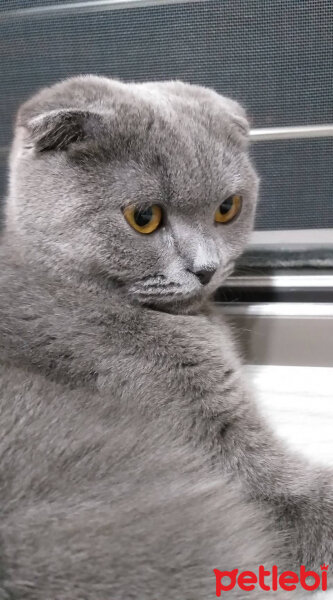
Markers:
(145, 220)
(228, 209)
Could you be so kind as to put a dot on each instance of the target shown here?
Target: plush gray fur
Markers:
(133, 460)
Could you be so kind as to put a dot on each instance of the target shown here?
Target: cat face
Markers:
(148, 186)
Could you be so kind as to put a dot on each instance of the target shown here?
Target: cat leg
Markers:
(299, 495)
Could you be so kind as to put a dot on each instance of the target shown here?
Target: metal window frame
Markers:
(281, 333)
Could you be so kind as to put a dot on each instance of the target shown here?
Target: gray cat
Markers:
(133, 460)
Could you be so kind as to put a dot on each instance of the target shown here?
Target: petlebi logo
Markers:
(270, 580)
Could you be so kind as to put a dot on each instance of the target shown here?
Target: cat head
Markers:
(147, 186)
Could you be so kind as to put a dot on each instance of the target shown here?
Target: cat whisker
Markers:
(158, 292)
(160, 284)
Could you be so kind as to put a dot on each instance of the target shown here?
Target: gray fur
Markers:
(132, 457)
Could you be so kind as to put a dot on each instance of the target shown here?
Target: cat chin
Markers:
(180, 304)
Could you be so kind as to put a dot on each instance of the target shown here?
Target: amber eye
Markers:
(144, 220)
(229, 209)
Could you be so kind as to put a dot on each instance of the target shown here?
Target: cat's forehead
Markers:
(188, 140)
(180, 165)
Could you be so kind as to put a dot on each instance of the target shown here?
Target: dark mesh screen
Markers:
(296, 183)
(275, 57)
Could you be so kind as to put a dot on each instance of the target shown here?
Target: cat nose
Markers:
(204, 275)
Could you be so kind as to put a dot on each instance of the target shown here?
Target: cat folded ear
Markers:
(239, 120)
(58, 129)
(242, 125)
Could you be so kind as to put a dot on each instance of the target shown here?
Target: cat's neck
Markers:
(61, 324)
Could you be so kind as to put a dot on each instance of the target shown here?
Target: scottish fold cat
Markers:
(133, 459)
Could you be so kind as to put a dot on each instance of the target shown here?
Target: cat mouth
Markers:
(156, 290)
